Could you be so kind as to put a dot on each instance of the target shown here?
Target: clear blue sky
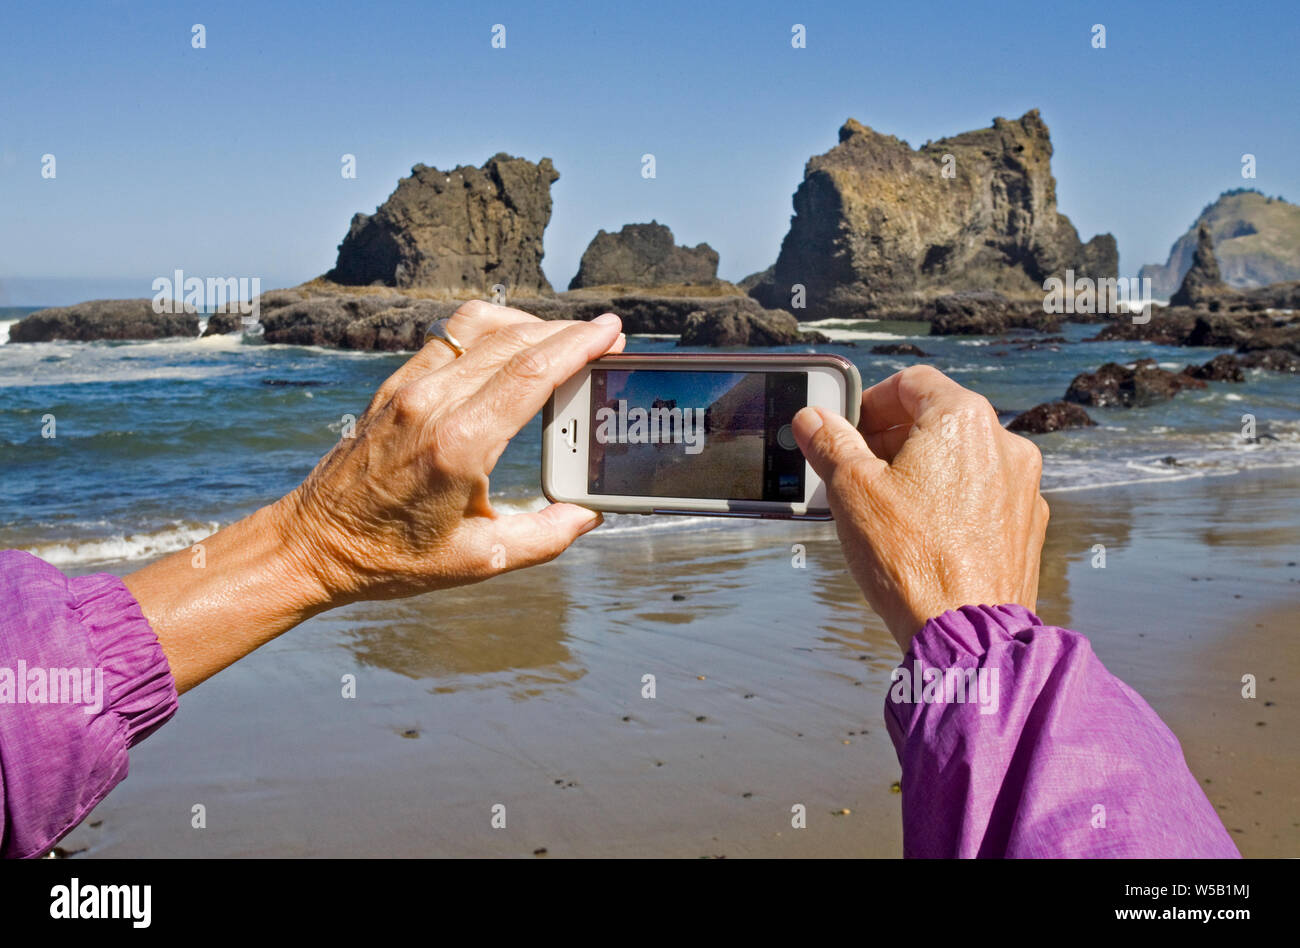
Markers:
(225, 161)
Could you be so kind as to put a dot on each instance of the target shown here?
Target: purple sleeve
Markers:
(1049, 754)
(82, 680)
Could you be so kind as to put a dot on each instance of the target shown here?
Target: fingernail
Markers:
(591, 524)
(606, 319)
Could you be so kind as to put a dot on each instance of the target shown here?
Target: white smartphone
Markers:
(693, 433)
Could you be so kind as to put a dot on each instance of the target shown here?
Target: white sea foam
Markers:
(123, 547)
(29, 375)
(4, 329)
(1196, 455)
(843, 335)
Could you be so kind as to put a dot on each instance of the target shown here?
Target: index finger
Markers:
(905, 397)
(472, 320)
(519, 389)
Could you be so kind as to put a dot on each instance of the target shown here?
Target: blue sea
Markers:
(158, 444)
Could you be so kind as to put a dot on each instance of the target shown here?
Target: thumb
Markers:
(829, 442)
(528, 539)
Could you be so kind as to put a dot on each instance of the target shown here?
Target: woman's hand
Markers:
(936, 504)
(399, 508)
(402, 507)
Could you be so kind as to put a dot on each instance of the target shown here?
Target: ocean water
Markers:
(158, 444)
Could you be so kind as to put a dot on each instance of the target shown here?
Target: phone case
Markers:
(740, 361)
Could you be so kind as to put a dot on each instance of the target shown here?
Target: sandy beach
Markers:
(526, 691)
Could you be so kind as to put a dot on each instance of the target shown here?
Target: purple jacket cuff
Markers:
(1015, 740)
(95, 682)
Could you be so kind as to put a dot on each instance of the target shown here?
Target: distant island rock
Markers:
(1256, 239)
(464, 230)
(880, 225)
(644, 255)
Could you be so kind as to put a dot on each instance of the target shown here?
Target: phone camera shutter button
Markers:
(785, 438)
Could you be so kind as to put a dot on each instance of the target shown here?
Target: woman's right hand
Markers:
(936, 504)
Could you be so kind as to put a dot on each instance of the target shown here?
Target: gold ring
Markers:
(438, 330)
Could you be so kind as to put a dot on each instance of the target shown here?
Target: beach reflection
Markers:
(1080, 522)
(510, 631)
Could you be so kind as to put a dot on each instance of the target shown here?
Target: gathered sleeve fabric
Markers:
(82, 680)
(1049, 755)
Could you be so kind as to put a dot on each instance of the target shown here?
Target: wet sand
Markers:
(770, 681)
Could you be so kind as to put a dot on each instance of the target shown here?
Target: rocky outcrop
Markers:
(313, 317)
(1202, 282)
(1271, 360)
(1222, 368)
(459, 231)
(1115, 385)
(877, 223)
(1203, 287)
(754, 279)
(1231, 368)
(984, 313)
(898, 348)
(1256, 240)
(739, 325)
(1245, 330)
(1167, 327)
(1050, 416)
(322, 314)
(103, 319)
(1050, 343)
(644, 255)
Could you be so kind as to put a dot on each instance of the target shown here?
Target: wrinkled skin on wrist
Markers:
(935, 503)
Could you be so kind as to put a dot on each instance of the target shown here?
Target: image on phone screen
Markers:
(706, 434)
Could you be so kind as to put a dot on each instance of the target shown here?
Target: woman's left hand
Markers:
(403, 507)
(400, 507)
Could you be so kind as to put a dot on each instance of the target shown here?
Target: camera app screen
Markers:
(710, 435)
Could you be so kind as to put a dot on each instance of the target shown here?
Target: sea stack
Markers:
(644, 255)
(878, 224)
(1202, 280)
(460, 231)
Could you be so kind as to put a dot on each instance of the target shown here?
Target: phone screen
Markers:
(706, 434)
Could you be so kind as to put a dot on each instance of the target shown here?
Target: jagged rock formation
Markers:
(1256, 240)
(1222, 368)
(644, 255)
(1202, 281)
(1115, 385)
(464, 230)
(899, 348)
(1051, 416)
(103, 319)
(983, 313)
(744, 325)
(320, 314)
(877, 222)
(1247, 332)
